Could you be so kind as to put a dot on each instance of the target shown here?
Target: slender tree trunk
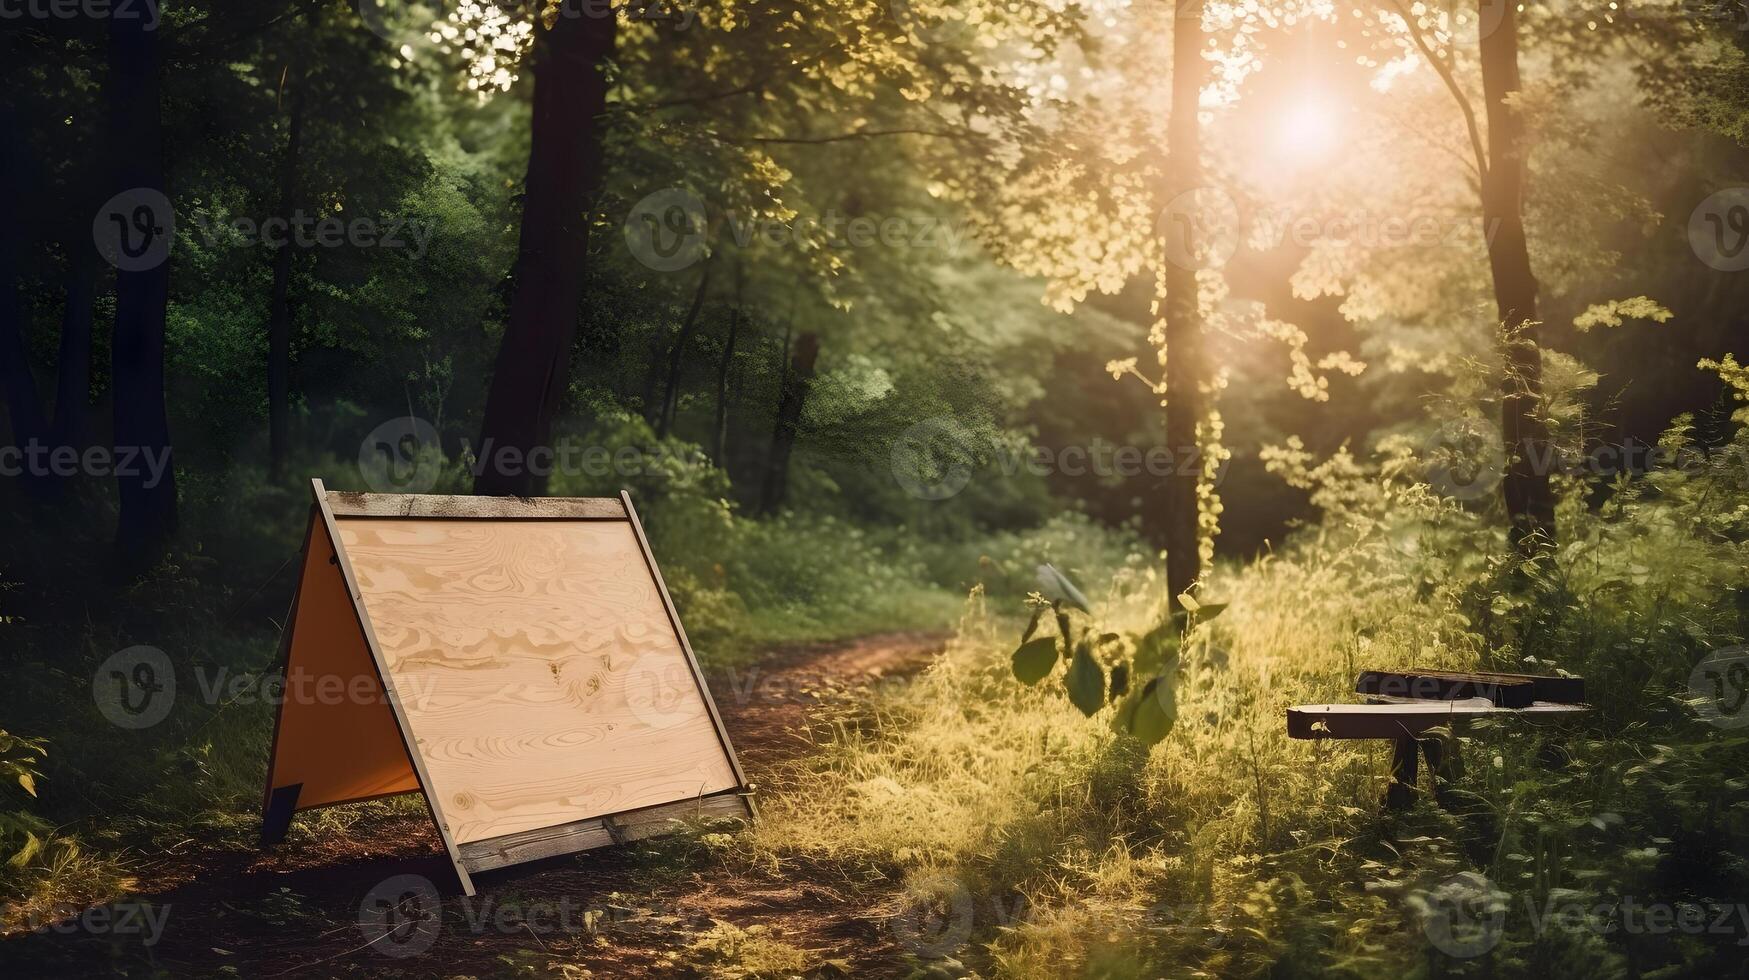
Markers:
(677, 354)
(564, 167)
(73, 367)
(1529, 499)
(1184, 359)
(720, 430)
(793, 396)
(651, 405)
(279, 325)
(23, 409)
(147, 487)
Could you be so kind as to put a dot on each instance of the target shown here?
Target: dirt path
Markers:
(622, 911)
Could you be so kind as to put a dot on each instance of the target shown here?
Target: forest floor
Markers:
(657, 907)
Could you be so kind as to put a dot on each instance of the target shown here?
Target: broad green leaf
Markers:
(1085, 681)
(1209, 611)
(1148, 714)
(28, 781)
(1035, 658)
(1054, 585)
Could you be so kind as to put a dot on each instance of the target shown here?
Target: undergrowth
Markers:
(1031, 842)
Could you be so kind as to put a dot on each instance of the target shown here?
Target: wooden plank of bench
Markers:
(1407, 719)
(1433, 685)
(1505, 690)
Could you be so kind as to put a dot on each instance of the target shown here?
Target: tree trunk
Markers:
(145, 473)
(720, 430)
(23, 409)
(677, 354)
(1529, 500)
(1184, 367)
(564, 167)
(651, 407)
(73, 366)
(793, 396)
(279, 311)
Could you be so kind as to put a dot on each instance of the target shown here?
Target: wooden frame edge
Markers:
(346, 503)
(704, 689)
(283, 661)
(353, 592)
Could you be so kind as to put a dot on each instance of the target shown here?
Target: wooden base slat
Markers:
(584, 835)
(1409, 719)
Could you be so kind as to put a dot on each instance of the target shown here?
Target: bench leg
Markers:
(1404, 765)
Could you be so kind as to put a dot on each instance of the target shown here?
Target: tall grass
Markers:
(1032, 842)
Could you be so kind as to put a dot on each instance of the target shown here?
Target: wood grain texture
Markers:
(541, 678)
(347, 504)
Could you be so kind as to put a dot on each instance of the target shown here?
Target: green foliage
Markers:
(1146, 713)
(20, 760)
(1034, 659)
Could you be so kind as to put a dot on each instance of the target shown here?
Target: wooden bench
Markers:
(1408, 707)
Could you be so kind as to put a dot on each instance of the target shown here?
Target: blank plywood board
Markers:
(540, 675)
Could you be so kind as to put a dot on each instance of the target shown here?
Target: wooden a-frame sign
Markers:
(519, 661)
